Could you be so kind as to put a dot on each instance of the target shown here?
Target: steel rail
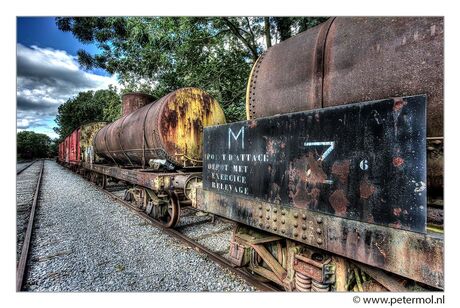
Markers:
(21, 267)
(261, 286)
(20, 170)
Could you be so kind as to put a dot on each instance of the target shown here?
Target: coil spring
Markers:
(319, 287)
(302, 283)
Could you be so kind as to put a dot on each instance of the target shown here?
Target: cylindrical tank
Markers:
(348, 59)
(169, 129)
(355, 59)
(133, 101)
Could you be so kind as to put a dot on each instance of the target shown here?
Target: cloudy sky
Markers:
(48, 73)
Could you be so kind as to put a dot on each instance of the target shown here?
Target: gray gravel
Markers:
(84, 241)
(21, 165)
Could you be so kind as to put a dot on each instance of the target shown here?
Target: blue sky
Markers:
(48, 72)
(42, 32)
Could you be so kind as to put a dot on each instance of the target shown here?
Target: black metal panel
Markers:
(364, 161)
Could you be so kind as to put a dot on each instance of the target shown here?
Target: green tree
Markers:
(160, 54)
(54, 147)
(32, 145)
(89, 106)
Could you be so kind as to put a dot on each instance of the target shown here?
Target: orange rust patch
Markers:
(399, 104)
(339, 202)
(341, 169)
(316, 174)
(397, 211)
(303, 172)
(398, 161)
(271, 147)
(300, 196)
(366, 189)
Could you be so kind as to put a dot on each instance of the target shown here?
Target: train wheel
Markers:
(171, 216)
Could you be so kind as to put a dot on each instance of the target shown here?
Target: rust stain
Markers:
(399, 104)
(396, 225)
(341, 169)
(300, 197)
(398, 161)
(339, 202)
(397, 211)
(304, 175)
(315, 173)
(271, 147)
(366, 189)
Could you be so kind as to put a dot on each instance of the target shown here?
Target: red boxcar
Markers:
(69, 148)
(74, 147)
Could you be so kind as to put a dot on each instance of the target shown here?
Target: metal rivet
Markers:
(260, 224)
(260, 207)
(295, 225)
(260, 215)
(267, 226)
(283, 212)
(319, 231)
(319, 220)
(268, 209)
(275, 228)
(282, 230)
(268, 217)
(296, 234)
(319, 241)
(275, 210)
(283, 221)
(304, 227)
(304, 217)
(304, 236)
(275, 219)
(296, 215)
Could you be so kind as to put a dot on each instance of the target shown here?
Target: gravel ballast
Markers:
(85, 241)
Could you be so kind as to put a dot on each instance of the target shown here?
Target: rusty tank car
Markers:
(337, 171)
(155, 147)
(347, 60)
(166, 132)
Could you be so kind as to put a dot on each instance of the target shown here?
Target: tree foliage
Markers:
(32, 145)
(160, 54)
(89, 106)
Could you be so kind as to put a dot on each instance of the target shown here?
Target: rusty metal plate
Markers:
(409, 254)
(364, 161)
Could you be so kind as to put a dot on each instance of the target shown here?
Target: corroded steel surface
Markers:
(364, 161)
(352, 59)
(410, 254)
(166, 182)
(133, 101)
(170, 128)
(87, 134)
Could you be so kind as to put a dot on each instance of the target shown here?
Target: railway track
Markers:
(24, 167)
(28, 189)
(193, 242)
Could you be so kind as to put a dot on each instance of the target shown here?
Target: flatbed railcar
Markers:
(336, 176)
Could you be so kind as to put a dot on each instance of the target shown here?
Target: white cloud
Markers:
(46, 78)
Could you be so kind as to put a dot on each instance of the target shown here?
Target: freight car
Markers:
(156, 147)
(329, 177)
(326, 190)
